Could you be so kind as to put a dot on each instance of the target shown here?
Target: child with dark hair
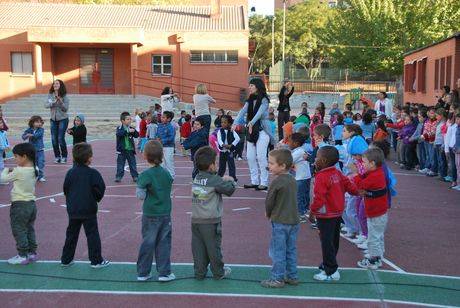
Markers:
(381, 134)
(78, 131)
(337, 129)
(154, 189)
(367, 127)
(357, 118)
(185, 132)
(142, 131)
(408, 146)
(207, 191)
(327, 206)
(347, 117)
(166, 134)
(288, 129)
(227, 139)
(218, 119)
(181, 120)
(23, 211)
(83, 188)
(126, 151)
(281, 209)
(197, 139)
(34, 135)
(4, 145)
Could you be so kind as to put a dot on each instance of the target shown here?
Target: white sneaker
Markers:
(167, 278)
(321, 276)
(144, 278)
(424, 171)
(64, 161)
(68, 264)
(362, 246)
(57, 160)
(359, 239)
(366, 263)
(456, 187)
(42, 180)
(18, 260)
(227, 272)
(104, 263)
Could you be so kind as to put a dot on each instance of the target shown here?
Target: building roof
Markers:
(153, 18)
(456, 35)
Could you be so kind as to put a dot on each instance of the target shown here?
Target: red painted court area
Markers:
(421, 238)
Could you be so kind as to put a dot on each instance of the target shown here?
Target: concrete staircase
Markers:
(102, 112)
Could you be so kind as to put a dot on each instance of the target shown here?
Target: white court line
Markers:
(186, 197)
(388, 262)
(241, 209)
(319, 298)
(36, 199)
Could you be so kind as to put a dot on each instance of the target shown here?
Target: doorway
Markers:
(96, 71)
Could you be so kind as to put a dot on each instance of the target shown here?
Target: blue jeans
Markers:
(58, 129)
(283, 251)
(156, 239)
(2, 163)
(421, 154)
(429, 150)
(121, 159)
(303, 196)
(40, 162)
(350, 215)
(440, 161)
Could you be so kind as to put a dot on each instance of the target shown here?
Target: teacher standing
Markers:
(201, 101)
(383, 105)
(284, 109)
(58, 103)
(259, 136)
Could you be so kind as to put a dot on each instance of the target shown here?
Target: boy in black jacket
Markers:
(227, 139)
(126, 151)
(197, 139)
(78, 131)
(83, 189)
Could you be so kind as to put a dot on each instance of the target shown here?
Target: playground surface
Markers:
(419, 268)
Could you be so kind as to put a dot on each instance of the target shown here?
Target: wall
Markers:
(441, 50)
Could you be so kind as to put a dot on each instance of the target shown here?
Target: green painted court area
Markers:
(244, 280)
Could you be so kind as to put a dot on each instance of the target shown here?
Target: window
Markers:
(448, 70)
(442, 73)
(413, 81)
(214, 56)
(421, 78)
(436, 74)
(161, 65)
(21, 63)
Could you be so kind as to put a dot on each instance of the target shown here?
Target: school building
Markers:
(428, 69)
(121, 49)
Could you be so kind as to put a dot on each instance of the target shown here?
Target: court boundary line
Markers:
(298, 297)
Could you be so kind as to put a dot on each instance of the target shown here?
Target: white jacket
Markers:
(388, 107)
(449, 138)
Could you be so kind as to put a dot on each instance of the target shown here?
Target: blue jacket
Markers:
(337, 131)
(196, 140)
(3, 141)
(457, 139)
(121, 134)
(418, 133)
(368, 130)
(36, 139)
(167, 134)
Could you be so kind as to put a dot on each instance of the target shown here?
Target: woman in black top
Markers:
(284, 110)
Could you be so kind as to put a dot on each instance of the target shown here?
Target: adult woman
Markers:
(58, 103)
(167, 99)
(445, 100)
(284, 109)
(259, 133)
(383, 105)
(201, 101)
(322, 109)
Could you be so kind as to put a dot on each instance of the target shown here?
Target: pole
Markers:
(284, 28)
(273, 41)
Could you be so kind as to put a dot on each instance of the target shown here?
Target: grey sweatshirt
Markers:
(58, 111)
(207, 190)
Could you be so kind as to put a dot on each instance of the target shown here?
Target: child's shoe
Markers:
(42, 179)
(321, 276)
(272, 283)
(65, 265)
(448, 179)
(362, 246)
(291, 281)
(456, 187)
(370, 264)
(104, 263)
(424, 171)
(64, 160)
(359, 239)
(431, 174)
(32, 257)
(18, 260)
(302, 219)
(145, 278)
(227, 272)
(166, 278)
(117, 180)
(57, 160)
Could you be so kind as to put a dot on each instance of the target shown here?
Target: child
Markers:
(78, 131)
(456, 150)
(137, 118)
(185, 131)
(83, 189)
(218, 120)
(439, 160)
(288, 129)
(23, 211)
(207, 190)
(348, 117)
(142, 131)
(152, 128)
(302, 174)
(4, 145)
(281, 209)
(125, 147)
(327, 206)
(373, 187)
(337, 129)
(381, 134)
(417, 138)
(357, 118)
(408, 146)
(181, 120)
(428, 136)
(34, 135)
(154, 188)
(166, 134)
(368, 127)
(227, 140)
(3, 121)
(334, 110)
(241, 131)
(315, 122)
(302, 120)
(197, 139)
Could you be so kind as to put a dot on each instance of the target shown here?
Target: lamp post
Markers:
(284, 33)
(273, 41)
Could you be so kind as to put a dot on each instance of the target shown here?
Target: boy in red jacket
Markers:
(373, 187)
(328, 205)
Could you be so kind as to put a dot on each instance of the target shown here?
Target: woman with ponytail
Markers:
(23, 210)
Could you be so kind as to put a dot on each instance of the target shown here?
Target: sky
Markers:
(263, 7)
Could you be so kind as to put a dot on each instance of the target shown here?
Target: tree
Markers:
(373, 35)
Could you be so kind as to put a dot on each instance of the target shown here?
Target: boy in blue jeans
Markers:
(281, 209)
(154, 188)
(126, 151)
(34, 134)
(166, 134)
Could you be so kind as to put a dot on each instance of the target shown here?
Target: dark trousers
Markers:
(410, 155)
(121, 159)
(22, 219)
(240, 146)
(92, 237)
(329, 234)
(58, 129)
(206, 249)
(283, 118)
(224, 159)
(156, 240)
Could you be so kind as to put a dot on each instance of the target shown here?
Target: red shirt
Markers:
(329, 193)
(373, 180)
(186, 130)
(142, 129)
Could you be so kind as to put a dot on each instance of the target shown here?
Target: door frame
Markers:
(96, 89)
